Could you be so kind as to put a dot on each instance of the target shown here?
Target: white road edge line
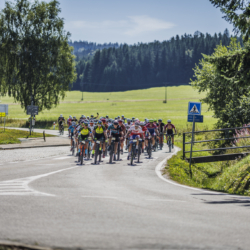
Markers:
(158, 171)
(24, 184)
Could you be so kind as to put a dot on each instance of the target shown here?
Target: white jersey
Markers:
(91, 127)
(128, 126)
(135, 131)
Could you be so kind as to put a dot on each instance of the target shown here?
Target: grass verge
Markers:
(10, 136)
(231, 177)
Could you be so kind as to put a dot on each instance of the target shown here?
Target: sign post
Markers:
(194, 115)
(3, 112)
(32, 110)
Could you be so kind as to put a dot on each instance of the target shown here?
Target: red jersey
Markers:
(169, 126)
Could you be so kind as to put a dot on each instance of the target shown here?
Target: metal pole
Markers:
(31, 115)
(190, 159)
(166, 92)
(183, 147)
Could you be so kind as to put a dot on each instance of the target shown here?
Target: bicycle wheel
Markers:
(132, 155)
(73, 147)
(118, 151)
(96, 152)
(169, 143)
(89, 151)
(139, 153)
(81, 158)
(111, 152)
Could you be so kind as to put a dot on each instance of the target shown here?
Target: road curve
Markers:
(54, 202)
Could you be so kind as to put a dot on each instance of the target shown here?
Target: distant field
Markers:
(147, 103)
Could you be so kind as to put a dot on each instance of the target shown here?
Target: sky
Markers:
(133, 21)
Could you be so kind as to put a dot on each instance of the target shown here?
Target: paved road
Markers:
(55, 202)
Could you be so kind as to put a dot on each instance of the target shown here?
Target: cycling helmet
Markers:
(155, 120)
(151, 120)
(159, 120)
(107, 116)
(70, 117)
(119, 120)
(61, 115)
(169, 120)
(128, 120)
(123, 116)
(115, 118)
(137, 123)
(82, 116)
(74, 117)
(86, 123)
(73, 123)
(87, 117)
(103, 119)
(133, 118)
(118, 117)
(142, 124)
(91, 121)
(115, 122)
(99, 122)
(91, 116)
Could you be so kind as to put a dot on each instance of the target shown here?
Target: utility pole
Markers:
(165, 93)
(82, 91)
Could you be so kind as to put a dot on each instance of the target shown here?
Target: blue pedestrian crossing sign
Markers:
(194, 108)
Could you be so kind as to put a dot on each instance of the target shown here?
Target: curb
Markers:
(10, 245)
(45, 146)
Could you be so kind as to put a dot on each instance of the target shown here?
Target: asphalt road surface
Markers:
(54, 202)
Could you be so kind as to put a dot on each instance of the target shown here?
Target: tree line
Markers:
(146, 65)
(224, 75)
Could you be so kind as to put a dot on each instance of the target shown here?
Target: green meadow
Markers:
(146, 103)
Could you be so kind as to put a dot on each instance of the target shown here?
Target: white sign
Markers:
(4, 108)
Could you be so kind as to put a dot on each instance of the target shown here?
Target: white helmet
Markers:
(169, 120)
(70, 117)
(61, 115)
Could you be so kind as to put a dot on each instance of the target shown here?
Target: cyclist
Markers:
(99, 133)
(144, 130)
(161, 131)
(168, 129)
(104, 123)
(69, 122)
(93, 118)
(152, 128)
(85, 132)
(127, 125)
(115, 131)
(123, 127)
(123, 118)
(135, 132)
(61, 121)
(71, 129)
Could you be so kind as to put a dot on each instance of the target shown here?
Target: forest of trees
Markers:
(146, 65)
(85, 49)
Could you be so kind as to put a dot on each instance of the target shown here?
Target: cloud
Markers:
(145, 24)
(132, 26)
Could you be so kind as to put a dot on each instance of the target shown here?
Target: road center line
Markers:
(101, 197)
(164, 200)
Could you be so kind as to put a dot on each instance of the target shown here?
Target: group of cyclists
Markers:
(120, 130)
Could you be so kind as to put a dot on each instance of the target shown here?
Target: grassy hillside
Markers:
(147, 103)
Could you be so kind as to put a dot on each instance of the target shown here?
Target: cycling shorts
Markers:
(116, 136)
(100, 136)
(132, 137)
(170, 132)
(84, 137)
